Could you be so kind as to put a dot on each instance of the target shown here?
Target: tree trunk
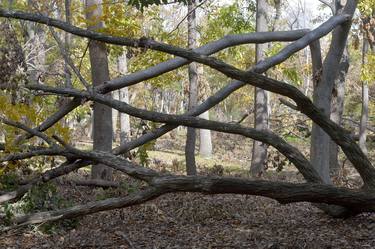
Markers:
(205, 145)
(337, 110)
(37, 58)
(67, 37)
(191, 168)
(259, 154)
(122, 67)
(115, 115)
(323, 88)
(102, 115)
(364, 113)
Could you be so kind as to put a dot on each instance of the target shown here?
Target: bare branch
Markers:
(328, 4)
(68, 60)
(18, 125)
(33, 153)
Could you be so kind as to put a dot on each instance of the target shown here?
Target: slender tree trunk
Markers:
(115, 115)
(364, 113)
(122, 67)
(205, 145)
(102, 115)
(337, 110)
(67, 37)
(36, 59)
(259, 155)
(191, 168)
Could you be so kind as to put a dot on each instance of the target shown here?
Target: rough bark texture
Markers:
(102, 115)
(191, 168)
(259, 153)
(337, 110)
(320, 141)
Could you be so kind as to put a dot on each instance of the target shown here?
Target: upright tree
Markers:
(102, 114)
(367, 9)
(323, 87)
(122, 67)
(259, 153)
(337, 102)
(205, 143)
(67, 38)
(191, 168)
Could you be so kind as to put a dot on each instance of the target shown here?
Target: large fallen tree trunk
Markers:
(357, 201)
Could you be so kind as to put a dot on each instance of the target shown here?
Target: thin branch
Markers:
(33, 153)
(18, 125)
(329, 4)
(186, 16)
(68, 60)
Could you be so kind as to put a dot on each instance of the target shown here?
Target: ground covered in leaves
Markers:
(188, 220)
(204, 221)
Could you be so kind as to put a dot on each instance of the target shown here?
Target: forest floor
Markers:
(190, 220)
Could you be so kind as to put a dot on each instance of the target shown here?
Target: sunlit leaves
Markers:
(368, 69)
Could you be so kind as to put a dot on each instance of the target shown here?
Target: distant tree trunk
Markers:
(102, 115)
(205, 145)
(67, 36)
(36, 56)
(122, 67)
(364, 113)
(337, 110)
(115, 115)
(191, 168)
(259, 154)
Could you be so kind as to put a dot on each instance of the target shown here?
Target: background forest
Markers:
(105, 123)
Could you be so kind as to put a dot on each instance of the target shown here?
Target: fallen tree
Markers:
(338, 202)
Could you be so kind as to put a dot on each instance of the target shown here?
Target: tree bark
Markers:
(122, 67)
(67, 37)
(191, 168)
(365, 99)
(322, 96)
(115, 115)
(102, 115)
(337, 110)
(259, 154)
